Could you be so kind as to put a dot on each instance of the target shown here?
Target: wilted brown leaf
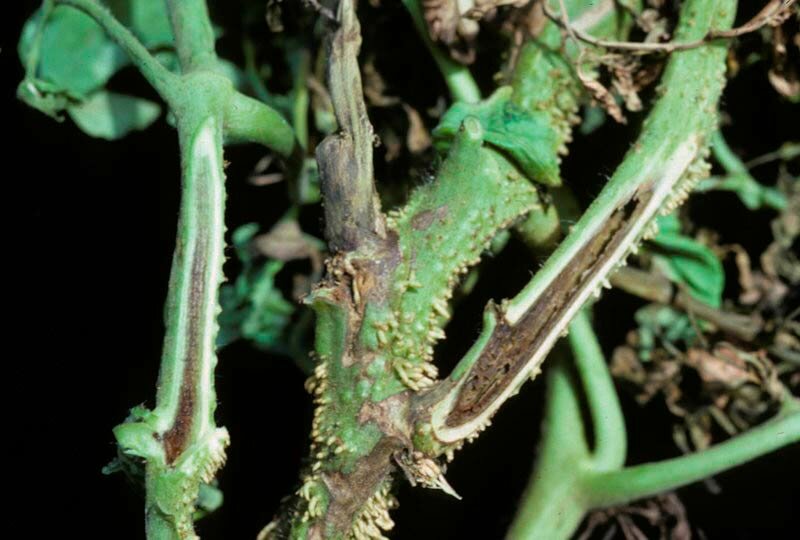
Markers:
(601, 95)
(486, 8)
(455, 23)
(661, 375)
(375, 87)
(780, 259)
(783, 75)
(663, 517)
(285, 242)
(260, 176)
(273, 15)
(417, 138)
(392, 143)
(622, 72)
(724, 367)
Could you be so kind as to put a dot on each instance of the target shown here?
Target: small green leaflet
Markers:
(687, 262)
(108, 115)
(75, 55)
(525, 137)
(69, 59)
(659, 324)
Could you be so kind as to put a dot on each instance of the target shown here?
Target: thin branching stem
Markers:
(770, 13)
(458, 78)
(620, 487)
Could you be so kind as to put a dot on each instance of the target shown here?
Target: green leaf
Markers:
(76, 56)
(209, 499)
(147, 19)
(45, 97)
(108, 115)
(660, 324)
(525, 137)
(70, 58)
(688, 262)
(593, 119)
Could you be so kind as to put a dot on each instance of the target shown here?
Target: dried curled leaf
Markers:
(627, 75)
(601, 95)
(417, 137)
(455, 23)
(286, 242)
(781, 259)
(784, 74)
(662, 517)
(738, 388)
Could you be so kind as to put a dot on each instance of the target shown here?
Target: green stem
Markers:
(164, 82)
(300, 62)
(552, 507)
(739, 180)
(251, 72)
(249, 120)
(184, 416)
(196, 271)
(673, 137)
(194, 35)
(620, 487)
(653, 179)
(725, 155)
(610, 439)
(457, 77)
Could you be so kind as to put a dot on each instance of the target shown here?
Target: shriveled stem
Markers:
(352, 209)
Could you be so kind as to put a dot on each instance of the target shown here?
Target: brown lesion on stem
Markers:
(510, 347)
(352, 208)
(178, 437)
(350, 492)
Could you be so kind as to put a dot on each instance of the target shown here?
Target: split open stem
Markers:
(654, 177)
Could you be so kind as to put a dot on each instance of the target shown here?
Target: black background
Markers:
(90, 236)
